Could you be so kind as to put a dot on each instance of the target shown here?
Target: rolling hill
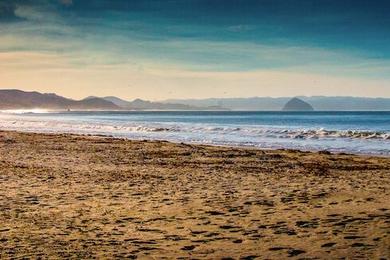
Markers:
(17, 99)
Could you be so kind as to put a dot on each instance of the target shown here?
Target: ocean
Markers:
(349, 132)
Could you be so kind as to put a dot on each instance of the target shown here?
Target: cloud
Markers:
(91, 49)
(42, 13)
(29, 13)
(32, 61)
(241, 28)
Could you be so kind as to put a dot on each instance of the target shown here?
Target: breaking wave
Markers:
(262, 136)
(59, 126)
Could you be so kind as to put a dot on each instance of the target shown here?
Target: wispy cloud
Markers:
(91, 50)
(241, 28)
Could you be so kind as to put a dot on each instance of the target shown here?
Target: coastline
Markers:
(337, 133)
(68, 195)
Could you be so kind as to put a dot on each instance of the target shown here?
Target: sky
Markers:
(163, 49)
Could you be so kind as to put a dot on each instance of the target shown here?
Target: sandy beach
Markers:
(76, 196)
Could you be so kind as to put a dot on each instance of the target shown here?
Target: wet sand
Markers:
(75, 196)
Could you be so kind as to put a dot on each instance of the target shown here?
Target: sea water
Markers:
(351, 132)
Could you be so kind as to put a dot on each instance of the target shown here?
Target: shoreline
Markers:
(67, 195)
(199, 143)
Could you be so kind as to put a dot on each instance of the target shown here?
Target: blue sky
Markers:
(196, 48)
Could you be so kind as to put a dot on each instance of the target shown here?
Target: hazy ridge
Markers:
(319, 103)
(17, 99)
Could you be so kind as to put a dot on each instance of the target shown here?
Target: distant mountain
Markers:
(99, 103)
(17, 99)
(254, 103)
(139, 104)
(117, 101)
(319, 103)
(296, 104)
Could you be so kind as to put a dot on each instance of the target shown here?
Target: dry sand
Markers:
(80, 196)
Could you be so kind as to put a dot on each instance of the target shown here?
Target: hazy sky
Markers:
(158, 49)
